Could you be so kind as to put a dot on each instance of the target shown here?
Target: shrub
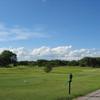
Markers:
(48, 68)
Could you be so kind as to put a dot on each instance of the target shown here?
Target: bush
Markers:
(48, 68)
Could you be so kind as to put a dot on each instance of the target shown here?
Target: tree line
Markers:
(9, 59)
(84, 62)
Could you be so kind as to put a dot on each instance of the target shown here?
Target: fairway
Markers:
(35, 84)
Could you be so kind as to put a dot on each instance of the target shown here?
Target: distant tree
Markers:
(73, 63)
(7, 57)
(27, 63)
(57, 63)
(42, 62)
(88, 61)
(98, 61)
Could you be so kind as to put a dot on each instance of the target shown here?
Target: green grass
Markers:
(34, 84)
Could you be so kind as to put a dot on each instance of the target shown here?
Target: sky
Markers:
(50, 29)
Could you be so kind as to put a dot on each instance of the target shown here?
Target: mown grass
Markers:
(34, 84)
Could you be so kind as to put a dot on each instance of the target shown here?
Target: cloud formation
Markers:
(60, 52)
(19, 33)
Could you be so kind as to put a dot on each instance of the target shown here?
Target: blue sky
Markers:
(36, 23)
(61, 22)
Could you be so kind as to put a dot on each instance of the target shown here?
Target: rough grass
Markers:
(34, 84)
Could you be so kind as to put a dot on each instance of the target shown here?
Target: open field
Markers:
(35, 84)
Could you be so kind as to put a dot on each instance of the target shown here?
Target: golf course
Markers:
(32, 83)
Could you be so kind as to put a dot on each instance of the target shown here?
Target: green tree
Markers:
(7, 57)
(42, 62)
(73, 63)
(88, 61)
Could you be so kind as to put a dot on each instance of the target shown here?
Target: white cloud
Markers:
(19, 33)
(61, 52)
